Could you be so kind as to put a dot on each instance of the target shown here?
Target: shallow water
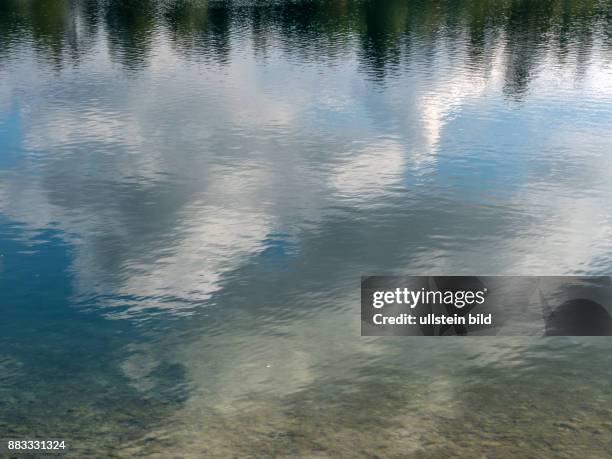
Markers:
(190, 192)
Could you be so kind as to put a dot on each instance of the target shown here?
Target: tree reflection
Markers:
(130, 25)
(382, 33)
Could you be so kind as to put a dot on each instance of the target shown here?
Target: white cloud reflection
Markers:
(218, 146)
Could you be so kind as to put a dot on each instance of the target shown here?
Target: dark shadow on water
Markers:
(579, 317)
(60, 371)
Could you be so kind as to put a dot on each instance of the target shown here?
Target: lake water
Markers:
(190, 192)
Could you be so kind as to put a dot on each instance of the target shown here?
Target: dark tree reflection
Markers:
(130, 25)
(383, 34)
(57, 30)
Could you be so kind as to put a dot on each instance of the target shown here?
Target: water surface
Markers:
(190, 192)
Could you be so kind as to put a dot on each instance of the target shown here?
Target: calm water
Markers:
(191, 190)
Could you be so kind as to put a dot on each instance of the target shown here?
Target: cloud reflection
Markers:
(172, 144)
